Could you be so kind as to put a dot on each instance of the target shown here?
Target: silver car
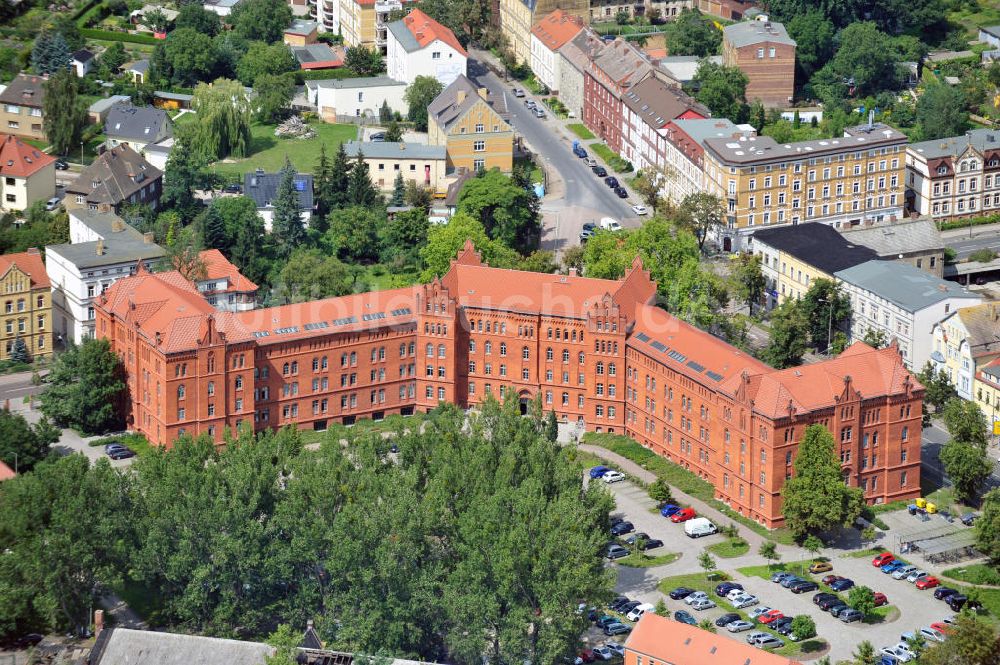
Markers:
(756, 636)
(915, 575)
(703, 604)
(745, 601)
(770, 642)
(903, 572)
(738, 626)
(697, 595)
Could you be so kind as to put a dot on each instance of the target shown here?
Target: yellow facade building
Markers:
(464, 120)
(25, 304)
(517, 17)
(965, 348)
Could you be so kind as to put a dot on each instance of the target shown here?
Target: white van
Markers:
(699, 527)
(609, 224)
(637, 613)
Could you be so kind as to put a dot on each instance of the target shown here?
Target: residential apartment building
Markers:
(517, 17)
(471, 127)
(548, 36)
(596, 352)
(648, 107)
(841, 182)
(102, 249)
(117, 177)
(987, 387)
(417, 45)
(355, 97)
(914, 241)
(136, 126)
(954, 177)
(793, 257)
(423, 165)
(965, 342)
(21, 107)
(662, 639)
(262, 188)
(903, 303)
(574, 58)
(27, 174)
(27, 304)
(614, 68)
(682, 143)
(223, 286)
(366, 22)
(766, 54)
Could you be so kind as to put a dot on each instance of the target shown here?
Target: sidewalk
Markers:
(977, 231)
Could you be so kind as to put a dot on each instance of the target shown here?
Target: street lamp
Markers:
(81, 153)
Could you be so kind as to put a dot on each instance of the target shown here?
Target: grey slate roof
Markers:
(118, 173)
(122, 243)
(762, 149)
(140, 66)
(701, 130)
(124, 646)
(910, 288)
(980, 139)
(363, 82)
(682, 68)
(894, 238)
(818, 245)
(314, 53)
(621, 62)
(392, 150)
(578, 51)
(404, 36)
(658, 103)
(301, 27)
(263, 188)
(24, 90)
(83, 55)
(749, 33)
(102, 105)
(446, 107)
(135, 122)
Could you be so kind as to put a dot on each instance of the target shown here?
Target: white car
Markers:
(52, 203)
(745, 601)
(734, 593)
(757, 611)
(916, 575)
(639, 209)
(697, 595)
(900, 651)
(703, 604)
(591, 162)
(613, 477)
(903, 572)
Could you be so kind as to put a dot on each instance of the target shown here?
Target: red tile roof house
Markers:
(224, 286)
(614, 68)
(547, 37)
(657, 639)
(27, 175)
(596, 352)
(6, 473)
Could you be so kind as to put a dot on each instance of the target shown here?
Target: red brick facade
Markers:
(598, 352)
(767, 58)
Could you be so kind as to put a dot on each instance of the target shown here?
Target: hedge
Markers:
(84, 8)
(108, 35)
(321, 74)
(971, 221)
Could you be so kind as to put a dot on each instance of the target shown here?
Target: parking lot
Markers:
(914, 608)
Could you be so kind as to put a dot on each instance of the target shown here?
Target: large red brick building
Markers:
(597, 352)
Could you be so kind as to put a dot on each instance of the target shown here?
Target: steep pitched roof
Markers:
(665, 640)
(25, 90)
(20, 160)
(556, 29)
(621, 62)
(982, 325)
(83, 55)
(658, 103)
(579, 50)
(263, 188)
(114, 176)
(217, 266)
(30, 263)
(135, 122)
(125, 646)
(454, 101)
(818, 245)
(417, 30)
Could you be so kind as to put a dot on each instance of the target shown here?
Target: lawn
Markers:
(642, 560)
(977, 573)
(765, 572)
(379, 278)
(134, 441)
(610, 158)
(986, 13)
(268, 152)
(728, 549)
(883, 614)
(581, 130)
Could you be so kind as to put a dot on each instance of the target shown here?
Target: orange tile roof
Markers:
(6, 473)
(425, 30)
(217, 266)
(30, 263)
(677, 643)
(655, 53)
(20, 160)
(557, 28)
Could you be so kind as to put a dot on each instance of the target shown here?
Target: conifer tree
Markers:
(287, 226)
(360, 190)
(398, 192)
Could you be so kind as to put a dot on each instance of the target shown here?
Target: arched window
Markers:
(211, 388)
(488, 347)
(180, 391)
(284, 369)
(599, 368)
(211, 363)
(441, 351)
(548, 353)
(503, 348)
(612, 371)
(315, 364)
(429, 350)
(565, 355)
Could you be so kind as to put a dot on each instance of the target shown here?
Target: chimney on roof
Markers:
(98, 622)
(100, 247)
(147, 238)
(117, 225)
(460, 96)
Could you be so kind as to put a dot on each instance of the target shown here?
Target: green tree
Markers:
(692, 33)
(156, 20)
(748, 279)
(875, 338)
(803, 627)
(309, 275)
(184, 172)
(706, 561)
(64, 112)
(966, 422)
(354, 233)
(789, 335)
(827, 308)
(223, 120)
(260, 59)
(393, 132)
(418, 96)
(941, 112)
(723, 90)
(199, 19)
(322, 184)
(401, 237)
(249, 254)
(50, 53)
(398, 199)
(227, 215)
(862, 599)
(214, 234)
(988, 526)
(551, 427)
(814, 38)
(287, 226)
(816, 499)
(19, 352)
(868, 66)
(659, 491)
(85, 388)
(865, 654)
(703, 214)
(261, 20)
(971, 642)
(22, 446)
(285, 641)
(812, 544)
(364, 61)
(938, 387)
(444, 241)
(967, 466)
(112, 59)
(509, 213)
(868, 534)
(757, 116)
(360, 190)
(647, 186)
(274, 94)
(191, 56)
(769, 550)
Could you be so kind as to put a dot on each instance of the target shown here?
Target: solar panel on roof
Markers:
(695, 366)
(372, 317)
(290, 329)
(344, 321)
(677, 356)
(715, 376)
(300, 185)
(642, 337)
(261, 333)
(316, 326)
(659, 346)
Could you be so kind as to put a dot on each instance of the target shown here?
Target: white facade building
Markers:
(548, 36)
(418, 45)
(102, 250)
(360, 97)
(955, 177)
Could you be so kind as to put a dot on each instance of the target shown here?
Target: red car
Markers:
(771, 616)
(682, 515)
(928, 582)
(882, 559)
(941, 627)
(587, 655)
(881, 599)
(830, 579)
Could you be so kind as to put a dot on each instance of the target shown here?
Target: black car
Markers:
(821, 596)
(680, 593)
(394, 448)
(959, 600)
(589, 226)
(783, 626)
(803, 586)
(621, 528)
(943, 592)
(61, 165)
(727, 619)
(652, 544)
(968, 519)
(121, 453)
(233, 188)
(29, 640)
(629, 606)
(839, 609)
(618, 602)
(726, 587)
(828, 603)
(377, 137)
(611, 181)
(621, 192)
(600, 171)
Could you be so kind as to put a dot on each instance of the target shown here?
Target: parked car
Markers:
(903, 572)
(738, 626)
(617, 603)
(882, 559)
(610, 224)
(121, 453)
(616, 648)
(622, 528)
(600, 171)
(621, 192)
(943, 592)
(580, 152)
(803, 586)
(880, 599)
(631, 540)
(901, 653)
(616, 628)
(586, 655)
(771, 642)
(685, 617)
(932, 635)
(530, 103)
(651, 544)
(680, 593)
(828, 603)
(639, 209)
(697, 595)
(703, 604)
(755, 636)
(837, 610)
(968, 519)
(769, 617)
(682, 515)
(606, 620)
(893, 566)
(603, 652)
(517, 92)
(781, 575)
(598, 471)
(727, 619)
(943, 628)
(233, 188)
(539, 113)
(928, 582)
(820, 567)
(843, 584)
(590, 162)
(829, 579)
(960, 600)
(789, 581)
(850, 615)
(617, 552)
(611, 181)
(915, 576)
(669, 509)
(725, 587)
(52, 203)
(758, 611)
(629, 606)
(613, 477)
(61, 165)
(744, 600)
(377, 137)
(821, 596)
(636, 612)
(585, 236)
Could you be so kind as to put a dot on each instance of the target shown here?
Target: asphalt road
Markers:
(966, 246)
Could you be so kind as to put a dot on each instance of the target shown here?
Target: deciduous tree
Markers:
(827, 308)
(967, 466)
(274, 94)
(789, 335)
(445, 240)
(260, 58)
(748, 279)
(988, 526)
(364, 61)
(509, 213)
(938, 387)
(22, 446)
(723, 90)
(64, 112)
(692, 33)
(862, 599)
(418, 96)
(803, 627)
(223, 119)
(971, 642)
(309, 275)
(191, 56)
(941, 112)
(966, 422)
(261, 20)
(85, 388)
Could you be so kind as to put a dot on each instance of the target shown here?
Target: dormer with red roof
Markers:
(417, 45)
(223, 286)
(27, 174)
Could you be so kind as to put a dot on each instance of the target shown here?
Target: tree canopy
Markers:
(418, 96)
(723, 90)
(64, 112)
(507, 211)
(941, 112)
(693, 33)
(261, 20)
(86, 389)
